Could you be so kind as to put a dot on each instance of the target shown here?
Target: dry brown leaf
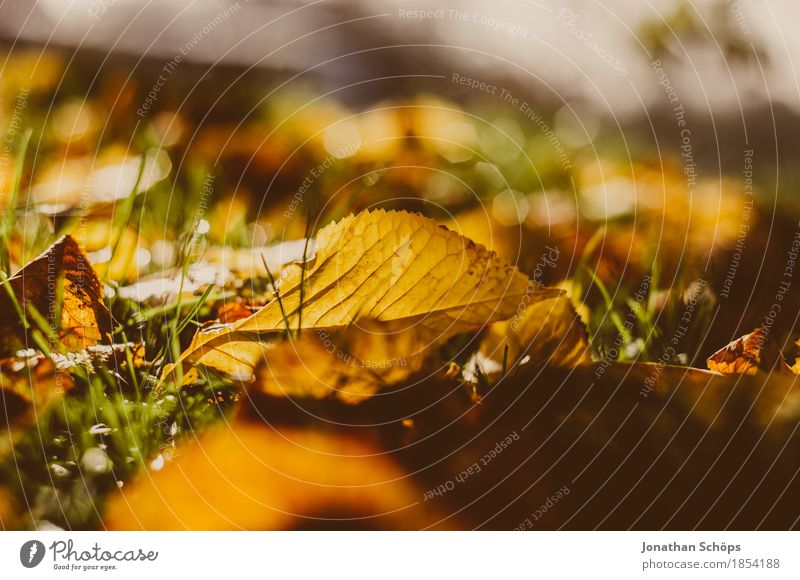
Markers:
(248, 476)
(64, 268)
(749, 354)
(389, 267)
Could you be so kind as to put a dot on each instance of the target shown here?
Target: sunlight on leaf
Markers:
(389, 267)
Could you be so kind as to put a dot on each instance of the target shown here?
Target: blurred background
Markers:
(640, 143)
(724, 54)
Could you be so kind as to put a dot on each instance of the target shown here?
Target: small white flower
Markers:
(72, 360)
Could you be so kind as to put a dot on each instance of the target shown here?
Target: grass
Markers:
(104, 416)
(123, 216)
(112, 422)
(9, 219)
(641, 320)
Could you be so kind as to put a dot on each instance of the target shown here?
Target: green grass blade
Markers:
(9, 219)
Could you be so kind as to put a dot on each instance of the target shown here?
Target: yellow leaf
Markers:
(98, 238)
(549, 332)
(388, 266)
(225, 351)
(397, 266)
(352, 364)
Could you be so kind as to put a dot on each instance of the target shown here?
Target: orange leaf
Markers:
(63, 268)
(749, 354)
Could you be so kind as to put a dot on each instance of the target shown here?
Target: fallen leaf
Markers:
(248, 476)
(305, 368)
(63, 268)
(397, 266)
(351, 365)
(230, 311)
(118, 261)
(224, 351)
(387, 266)
(547, 333)
(753, 352)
